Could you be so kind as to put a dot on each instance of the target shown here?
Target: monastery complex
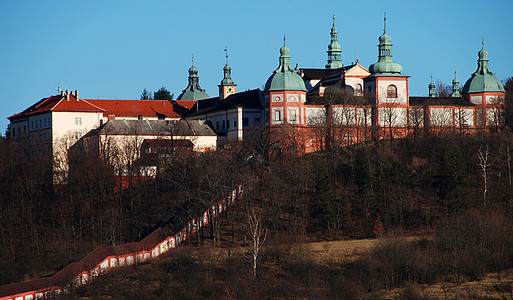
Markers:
(300, 109)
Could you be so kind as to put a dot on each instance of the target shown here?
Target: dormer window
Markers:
(391, 91)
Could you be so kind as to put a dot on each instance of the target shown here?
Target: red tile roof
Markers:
(119, 108)
(146, 108)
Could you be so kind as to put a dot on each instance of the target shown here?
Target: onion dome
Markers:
(455, 87)
(483, 80)
(193, 91)
(227, 80)
(334, 52)
(285, 78)
(385, 65)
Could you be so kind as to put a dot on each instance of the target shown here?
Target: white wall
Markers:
(315, 115)
(392, 116)
(345, 115)
(441, 116)
(464, 117)
(401, 91)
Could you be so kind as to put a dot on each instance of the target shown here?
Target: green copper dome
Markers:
(385, 39)
(385, 65)
(193, 91)
(483, 80)
(285, 78)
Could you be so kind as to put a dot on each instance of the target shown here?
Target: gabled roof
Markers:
(320, 74)
(439, 101)
(248, 99)
(121, 108)
(58, 103)
(308, 74)
(146, 108)
(357, 70)
(154, 127)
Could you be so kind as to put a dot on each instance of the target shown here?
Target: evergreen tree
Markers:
(509, 102)
(146, 95)
(163, 94)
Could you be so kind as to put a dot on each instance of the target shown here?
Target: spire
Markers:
(455, 86)
(284, 59)
(432, 93)
(193, 91)
(482, 63)
(284, 78)
(334, 52)
(193, 78)
(227, 80)
(385, 22)
(385, 64)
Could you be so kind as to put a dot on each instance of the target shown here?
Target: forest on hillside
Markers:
(365, 190)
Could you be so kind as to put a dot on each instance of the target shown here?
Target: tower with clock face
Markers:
(227, 86)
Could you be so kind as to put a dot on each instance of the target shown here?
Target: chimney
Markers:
(76, 94)
(62, 93)
(67, 95)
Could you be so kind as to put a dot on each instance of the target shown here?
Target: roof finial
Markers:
(482, 44)
(333, 19)
(226, 52)
(58, 87)
(193, 58)
(385, 22)
(284, 40)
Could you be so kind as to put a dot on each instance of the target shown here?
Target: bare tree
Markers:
(442, 89)
(463, 117)
(484, 164)
(256, 234)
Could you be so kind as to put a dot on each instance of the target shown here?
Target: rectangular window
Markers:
(293, 116)
(223, 124)
(14, 132)
(235, 123)
(245, 122)
(277, 115)
(217, 125)
(78, 121)
(228, 124)
(257, 121)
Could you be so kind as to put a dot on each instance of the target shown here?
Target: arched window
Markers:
(391, 91)
(358, 90)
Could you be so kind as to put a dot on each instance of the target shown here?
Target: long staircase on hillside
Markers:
(104, 259)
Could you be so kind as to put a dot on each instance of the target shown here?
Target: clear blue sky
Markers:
(115, 49)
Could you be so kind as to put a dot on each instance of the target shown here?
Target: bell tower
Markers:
(227, 86)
